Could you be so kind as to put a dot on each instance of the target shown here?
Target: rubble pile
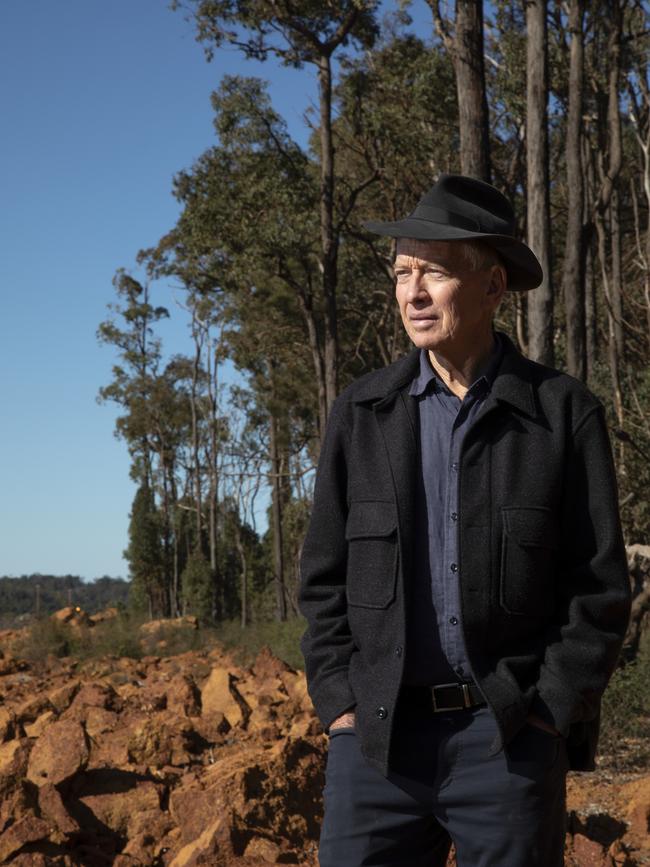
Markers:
(195, 760)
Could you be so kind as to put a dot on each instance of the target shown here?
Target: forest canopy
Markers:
(550, 102)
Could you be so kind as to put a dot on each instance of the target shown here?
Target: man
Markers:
(463, 577)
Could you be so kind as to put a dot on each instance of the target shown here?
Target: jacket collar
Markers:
(512, 383)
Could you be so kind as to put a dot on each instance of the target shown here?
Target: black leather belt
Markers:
(455, 696)
(444, 696)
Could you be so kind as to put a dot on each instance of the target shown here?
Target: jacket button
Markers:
(454, 567)
(398, 650)
(381, 712)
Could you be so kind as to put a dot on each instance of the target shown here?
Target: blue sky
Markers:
(102, 103)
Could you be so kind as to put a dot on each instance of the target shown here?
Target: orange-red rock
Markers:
(28, 829)
(58, 754)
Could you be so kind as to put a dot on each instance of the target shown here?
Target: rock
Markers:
(220, 695)
(92, 695)
(28, 711)
(589, 853)
(211, 847)
(36, 729)
(7, 724)
(267, 665)
(53, 809)
(103, 616)
(295, 683)
(73, 616)
(61, 697)
(28, 829)
(99, 721)
(14, 758)
(59, 753)
(164, 740)
(119, 800)
(183, 696)
(260, 847)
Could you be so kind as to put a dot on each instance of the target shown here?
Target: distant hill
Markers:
(20, 596)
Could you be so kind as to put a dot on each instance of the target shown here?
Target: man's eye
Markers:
(400, 276)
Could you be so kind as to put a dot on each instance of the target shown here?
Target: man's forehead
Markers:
(429, 251)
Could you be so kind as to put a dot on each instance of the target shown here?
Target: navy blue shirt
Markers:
(435, 646)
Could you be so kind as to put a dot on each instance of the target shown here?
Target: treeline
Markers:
(276, 276)
(37, 595)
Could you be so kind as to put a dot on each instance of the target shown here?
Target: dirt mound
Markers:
(194, 760)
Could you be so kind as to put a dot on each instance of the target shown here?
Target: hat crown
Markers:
(469, 203)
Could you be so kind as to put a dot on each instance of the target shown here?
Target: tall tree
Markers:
(464, 43)
(310, 34)
(144, 552)
(574, 247)
(540, 302)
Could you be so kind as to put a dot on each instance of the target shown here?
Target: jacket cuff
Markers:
(332, 698)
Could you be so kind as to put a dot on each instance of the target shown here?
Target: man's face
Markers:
(445, 305)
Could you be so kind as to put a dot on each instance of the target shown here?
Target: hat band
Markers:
(460, 221)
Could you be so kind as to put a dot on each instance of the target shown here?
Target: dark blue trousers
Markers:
(506, 810)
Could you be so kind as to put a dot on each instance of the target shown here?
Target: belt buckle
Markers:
(466, 697)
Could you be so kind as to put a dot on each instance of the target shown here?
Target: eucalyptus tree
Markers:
(306, 32)
(541, 301)
(130, 331)
(463, 39)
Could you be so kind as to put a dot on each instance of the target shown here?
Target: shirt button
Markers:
(381, 712)
(398, 650)
(453, 621)
(454, 567)
(454, 516)
(454, 466)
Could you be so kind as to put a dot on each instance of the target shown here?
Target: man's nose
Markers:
(415, 288)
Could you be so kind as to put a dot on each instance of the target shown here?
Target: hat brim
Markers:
(521, 264)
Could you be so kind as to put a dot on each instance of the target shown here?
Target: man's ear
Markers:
(498, 284)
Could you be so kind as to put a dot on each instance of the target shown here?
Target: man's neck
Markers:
(458, 373)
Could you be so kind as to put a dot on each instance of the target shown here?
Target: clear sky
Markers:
(102, 103)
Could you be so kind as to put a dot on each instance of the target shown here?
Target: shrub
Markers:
(625, 724)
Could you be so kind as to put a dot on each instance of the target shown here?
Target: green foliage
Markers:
(144, 551)
(283, 638)
(18, 596)
(625, 724)
(198, 587)
(115, 637)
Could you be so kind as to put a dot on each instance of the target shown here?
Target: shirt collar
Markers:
(427, 375)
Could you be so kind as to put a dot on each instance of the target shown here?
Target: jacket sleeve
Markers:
(593, 584)
(327, 644)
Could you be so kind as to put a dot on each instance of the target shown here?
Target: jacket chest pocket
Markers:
(529, 545)
(371, 533)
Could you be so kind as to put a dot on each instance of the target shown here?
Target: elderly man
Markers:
(463, 577)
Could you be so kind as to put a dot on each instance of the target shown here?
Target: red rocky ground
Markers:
(194, 760)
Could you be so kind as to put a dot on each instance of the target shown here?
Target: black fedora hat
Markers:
(459, 208)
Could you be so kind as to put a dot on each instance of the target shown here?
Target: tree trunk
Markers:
(573, 276)
(276, 511)
(196, 473)
(540, 300)
(329, 241)
(244, 575)
(473, 114)
(591, 315)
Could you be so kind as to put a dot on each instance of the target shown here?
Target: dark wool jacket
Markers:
(543, 576)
